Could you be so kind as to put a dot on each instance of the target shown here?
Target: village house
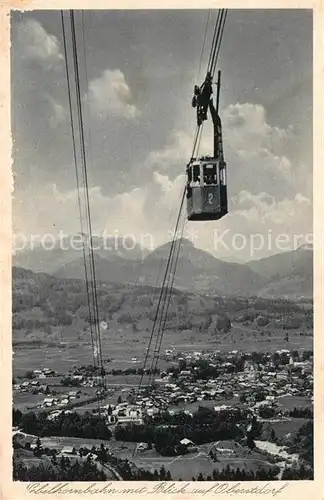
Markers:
(141, 447)
(68, 450)
(64, 402)
(190, 445)
(130, 415)
(43, 389)
(48, 402)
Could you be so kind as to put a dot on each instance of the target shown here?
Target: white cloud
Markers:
(176, 152)
(38, 45)
(253, 141)
(110, 95)
(264, 209)
(152, 210)
(248, 129)
(250, 143)
(256, 226)
(59, 112)
(254, 206)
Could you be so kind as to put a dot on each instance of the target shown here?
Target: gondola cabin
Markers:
(206, 189)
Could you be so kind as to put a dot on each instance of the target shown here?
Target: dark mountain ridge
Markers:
(287, 274)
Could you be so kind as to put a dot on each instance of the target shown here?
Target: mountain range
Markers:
(287, 274)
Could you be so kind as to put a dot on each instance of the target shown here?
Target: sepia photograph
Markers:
(162, 260)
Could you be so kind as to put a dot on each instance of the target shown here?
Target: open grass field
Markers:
(289, 426)
(25, 401)
(121, 348)
(186, 468)
(60, 442)
(28, 401)
(192, 407)
(190, 465)
(290, 402)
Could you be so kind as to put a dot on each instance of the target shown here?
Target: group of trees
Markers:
(299, 472)
(61, 300)
(146, 475)
(168, 438)
(88, 371)
(70, 382)
(63, 470)
(205, 369)
(303, 442)
(167, 431)
(133, 371)
(66, 469)
(229, 474)
(300, 412)
(16, 417)
(66, 424)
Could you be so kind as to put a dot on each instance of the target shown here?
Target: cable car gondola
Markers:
(206, 176)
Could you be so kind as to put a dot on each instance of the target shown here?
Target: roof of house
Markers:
(186, 441)
(67, 449)
(142, 445)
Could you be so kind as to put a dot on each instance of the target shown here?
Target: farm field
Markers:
(190, 465)
(181, 467)
(121, 352)
(290, 402)
(284, 427)
(27, 401)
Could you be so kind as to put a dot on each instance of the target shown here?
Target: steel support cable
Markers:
(166, 304)
(171, 277)
(95, 321)
(160, 297)
(77, 178)
(216, 41)
(216, 44)
(196, 141)
(91, 159)
(164, 315)
(218, 33)
(203, 45)
(164, 280)
(213, 39)
(220, 42)
(171, 250)
(84, 170)
(164, 301)
(198, 138)
(155, 287)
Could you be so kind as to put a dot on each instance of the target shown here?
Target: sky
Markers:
(137, 72)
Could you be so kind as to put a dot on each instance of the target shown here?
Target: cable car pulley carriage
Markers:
(206, 188)
(206, 176)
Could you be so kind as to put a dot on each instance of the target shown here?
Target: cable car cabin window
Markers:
(196, 174)
(222, 176)
(210, 174)
(189, 170)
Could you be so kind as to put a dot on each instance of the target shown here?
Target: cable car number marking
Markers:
(210, 198)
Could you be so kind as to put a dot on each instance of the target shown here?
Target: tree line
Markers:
(66, 424)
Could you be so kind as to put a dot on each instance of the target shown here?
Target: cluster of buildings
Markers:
(61, 401)
(258, 385)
